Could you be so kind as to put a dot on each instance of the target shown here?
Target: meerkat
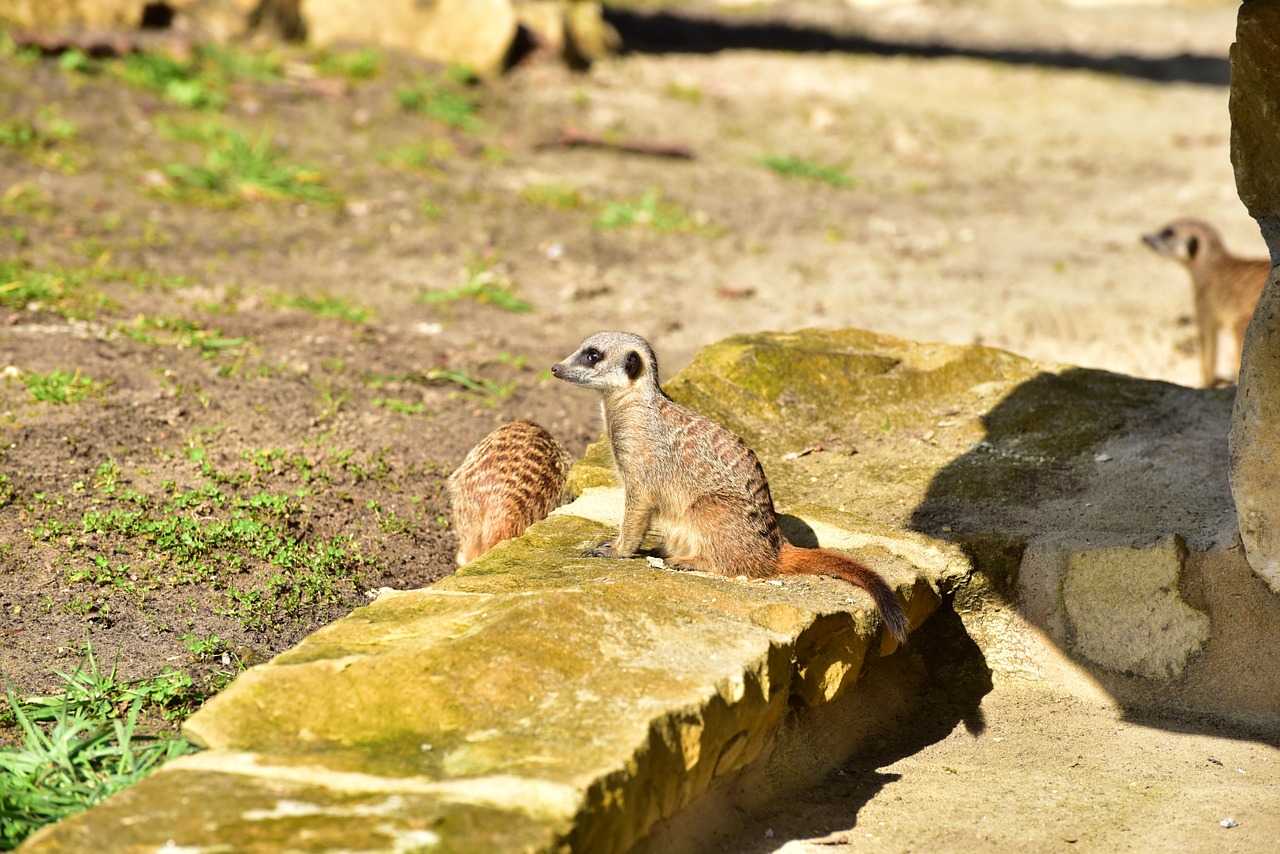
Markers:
(1225, 288)
(694, 481)
(514, 477)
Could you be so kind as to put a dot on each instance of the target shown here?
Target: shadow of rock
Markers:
(1097, 514)
(666, 32)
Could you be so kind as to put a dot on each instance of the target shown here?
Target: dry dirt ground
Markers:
(283, 282)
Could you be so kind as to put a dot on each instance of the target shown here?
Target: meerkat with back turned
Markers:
(694, 481)
(1225, 288)
(512, 478)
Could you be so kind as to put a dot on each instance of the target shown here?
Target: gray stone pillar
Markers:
(1255, 154)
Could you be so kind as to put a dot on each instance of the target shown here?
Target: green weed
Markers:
(443, 105)
(78, 749)
(403, 407)
(60, 387)
(481, 385)
(181, 333)
(326, 306)
(558, 197)
(235, 170)
(486, 286)
(66, 292)
(200, 81)
(42, 140)
(649, 212)
(808, 170)
(363, 64)
(422, 156)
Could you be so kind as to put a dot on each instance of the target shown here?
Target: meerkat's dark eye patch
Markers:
(1167, 234)
(1193, 246)
(633, 365)
(591, 355)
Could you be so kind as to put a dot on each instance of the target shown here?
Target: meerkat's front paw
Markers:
(605, 549)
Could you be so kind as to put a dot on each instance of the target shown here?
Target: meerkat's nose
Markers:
(555, 370)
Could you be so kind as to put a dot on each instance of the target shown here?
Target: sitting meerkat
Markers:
(512, 478)
(695, 481)
(1225, 288)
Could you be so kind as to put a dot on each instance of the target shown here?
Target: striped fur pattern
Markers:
(1225, 288)
(694, 481)
(514, 477)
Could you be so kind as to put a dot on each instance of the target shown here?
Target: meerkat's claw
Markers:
(605, 549)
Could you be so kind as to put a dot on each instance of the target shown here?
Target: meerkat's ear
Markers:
(633, 365)
(1193, 246)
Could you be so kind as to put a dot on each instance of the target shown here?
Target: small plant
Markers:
(235, 169)
(60, 387)
(326, 306)
(199, 81)
(205, 648)
(445, 106)
(808, 170)
(42, 141)
(180, 81)
(558, 197)
(76, 750)
(650, 212)
(422, 156)
(363, 64)
(486, 286)
(403, 407)
(181, 333)
(482, 385)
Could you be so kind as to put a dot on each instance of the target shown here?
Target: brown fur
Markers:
(695, 481)
(514, 477)
(1225, 288)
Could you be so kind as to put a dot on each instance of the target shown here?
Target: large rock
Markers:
(476, 33)
(218, 19)
(1040, 522)
(1255, 150)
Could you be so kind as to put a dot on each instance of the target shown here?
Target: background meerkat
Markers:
(514, 477)
(695, 481)
(1225, 288)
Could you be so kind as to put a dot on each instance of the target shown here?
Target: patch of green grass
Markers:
(184, 334)
(200, 80)
(179, 80)
(650, 211)
(235, 533)
(559, 197)
(60, 387)
(807, 170)
(363, 64)
(422, 156)
(486, 286)
(403, 407)
(440, 103)
(235, 170)
(481, 385)
(42, 140)
(326, 306)
(65, 291)
(688, 92)
(78, 749)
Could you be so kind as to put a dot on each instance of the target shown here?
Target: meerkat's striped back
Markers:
(512, 478)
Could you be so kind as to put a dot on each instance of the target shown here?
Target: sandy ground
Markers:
(1004, 159)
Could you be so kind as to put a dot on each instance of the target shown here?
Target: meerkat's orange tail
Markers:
(798, 561)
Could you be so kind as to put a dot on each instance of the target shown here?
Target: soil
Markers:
(280, 363)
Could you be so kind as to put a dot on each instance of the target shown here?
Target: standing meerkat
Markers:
(514, 477)
(695, 481)
(1225, 288)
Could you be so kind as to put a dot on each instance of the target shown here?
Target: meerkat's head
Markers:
(609, 362)
(1185, 240)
